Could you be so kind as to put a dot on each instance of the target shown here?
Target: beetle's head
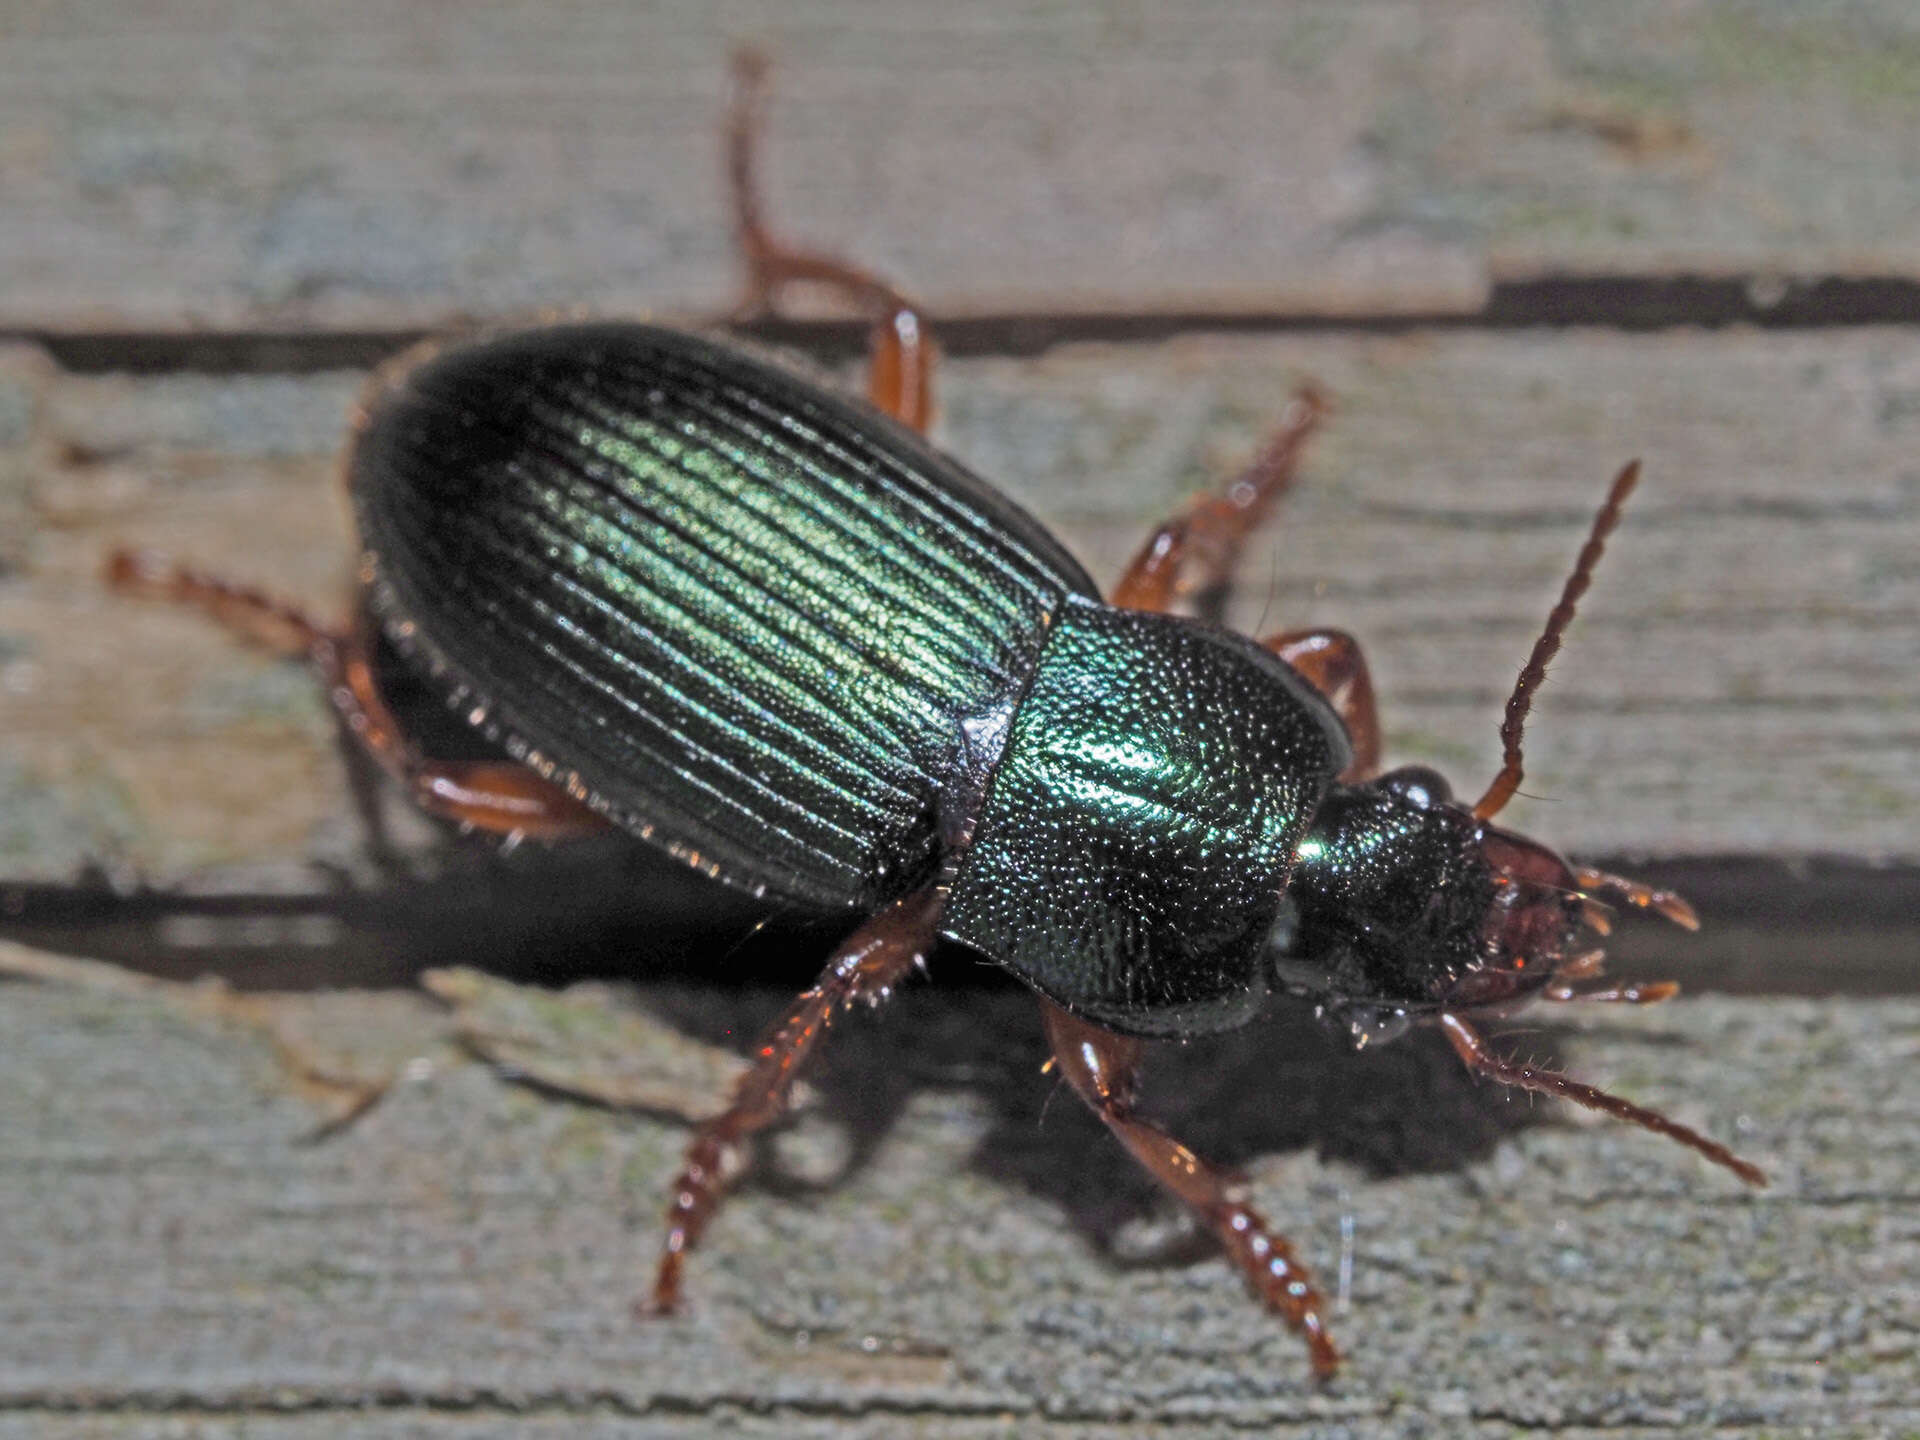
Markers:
(1405, 902)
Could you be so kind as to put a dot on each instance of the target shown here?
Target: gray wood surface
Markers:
(953, 1253)
(942, 1244)
(946, 1245)
(1743, 679)
(185, 164)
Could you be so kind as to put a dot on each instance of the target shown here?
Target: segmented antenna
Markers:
(1548, 645)
(1472, 1050)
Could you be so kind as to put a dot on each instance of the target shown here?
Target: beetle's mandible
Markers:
(777, 634)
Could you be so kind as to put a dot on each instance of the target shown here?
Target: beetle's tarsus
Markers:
(901, 350)
(1197, 551)
(248, 612)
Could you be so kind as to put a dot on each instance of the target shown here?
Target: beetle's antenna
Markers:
(1473, 1051)
(1548, 645)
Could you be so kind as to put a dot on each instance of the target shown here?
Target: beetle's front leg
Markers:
(1101, 1066)
(900, 347)
(1198, 550)
(876, 958)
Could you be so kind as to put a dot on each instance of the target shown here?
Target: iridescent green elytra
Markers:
(792, 644)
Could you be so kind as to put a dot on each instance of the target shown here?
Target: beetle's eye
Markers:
(1417, 785)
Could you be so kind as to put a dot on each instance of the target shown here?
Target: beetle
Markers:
(682, 593)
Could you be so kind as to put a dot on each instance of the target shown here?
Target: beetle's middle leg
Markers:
(1332, 662)
(900, 348)
(877, 957)
(1101, 1067)
(499, 797)
(1196, 552)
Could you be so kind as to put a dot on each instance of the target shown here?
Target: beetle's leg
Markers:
(1196, 552)
(901, 351)
(250, 613)
(1332, 662)
(261, 619)
(867, 967)
(496, 796)
(1473, 1051)
(1101, 1067)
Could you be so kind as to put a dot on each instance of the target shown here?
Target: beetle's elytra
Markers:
(777, 634)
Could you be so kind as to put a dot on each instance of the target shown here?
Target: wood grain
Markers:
(946, 1252)
(942, 1245)
(194, 164)
(1743, 678)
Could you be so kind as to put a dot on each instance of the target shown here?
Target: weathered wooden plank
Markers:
(1743, 680)
(205, 163)
(932, 1261)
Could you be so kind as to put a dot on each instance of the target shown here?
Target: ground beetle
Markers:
(778, 635)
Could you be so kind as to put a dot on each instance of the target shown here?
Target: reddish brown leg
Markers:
(1333, 664)
(1472, 1049)
(900, 377)
(250, 613)
(1198, 551)
(496, 796)
(878, 956)
(1101, 1066)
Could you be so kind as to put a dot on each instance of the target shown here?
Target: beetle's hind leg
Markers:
(1101, 1066)
(499, 797)
(1196, 552)
(901, 351)
(876, 958)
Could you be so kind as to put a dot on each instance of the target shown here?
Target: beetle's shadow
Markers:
(1282, 1085)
